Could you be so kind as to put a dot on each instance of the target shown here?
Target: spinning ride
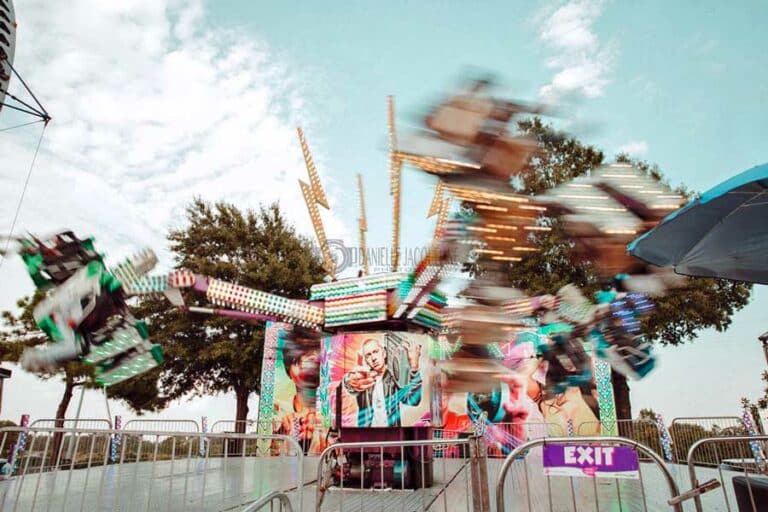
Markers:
(384, 356)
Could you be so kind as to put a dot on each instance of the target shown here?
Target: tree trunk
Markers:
(621, 396)
(236, 446)
(241, 416)
(61, 413)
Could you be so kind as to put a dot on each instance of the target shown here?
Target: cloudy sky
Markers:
(157, 101)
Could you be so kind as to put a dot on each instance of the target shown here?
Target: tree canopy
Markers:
(679, 316)
(258, 249)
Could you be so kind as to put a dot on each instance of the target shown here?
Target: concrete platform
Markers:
(219, 485)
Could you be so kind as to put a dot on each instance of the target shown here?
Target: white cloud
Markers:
(580, 62)
(634, 148)
(151, 106)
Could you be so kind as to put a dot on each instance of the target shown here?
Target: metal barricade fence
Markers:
(231, 426)
(501, 438)
(163, 425)
(686, 431)
(81, 423)
(739, 462)
(576, 494)
(642, 430)
(281, 498)
(144, 470)
(401, 475)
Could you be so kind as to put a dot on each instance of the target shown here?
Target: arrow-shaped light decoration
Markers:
(363, 224)
(395, 166)
(314, 195)
(437, 200)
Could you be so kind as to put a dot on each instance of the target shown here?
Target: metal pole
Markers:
(481, 500)
(106, 400)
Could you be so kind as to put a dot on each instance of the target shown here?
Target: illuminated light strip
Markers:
(148, 285)
(352, 299)
(255, 301)
(532, 207)
(605, 399)
(434, 163)
(574, 196)
(437, 200)
(442, 218)
(362, 317)
(492, 208)
(349, 311)
(314, 177)
(501, 238)
(357, 285)
(481, 229)
(463, 191)
(314, 195)
(524, 249)
(363, 223)
(334, 312)
(181, 279)
(502, 226)
(133, 268)
(537, 228)
(395, 168)
(317, 222)
(600, 208)
(488, 251)
(506, 258)
(345, 315)
(620, 231)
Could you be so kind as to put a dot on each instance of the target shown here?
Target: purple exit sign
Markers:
(590, 461)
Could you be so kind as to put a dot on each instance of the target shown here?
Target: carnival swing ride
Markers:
(391, 353)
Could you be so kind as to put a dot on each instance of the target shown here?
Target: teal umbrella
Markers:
(723, 233)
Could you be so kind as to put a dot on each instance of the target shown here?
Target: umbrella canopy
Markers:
(723, 233)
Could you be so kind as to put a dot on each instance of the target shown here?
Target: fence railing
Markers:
(351, 476)
(568, 493)
(144, 470)
(686, 431)
(642, 430)
(163, 425)
(82, 423)
(739, 461)
(284, 503)
(232, 426)
(501, 438)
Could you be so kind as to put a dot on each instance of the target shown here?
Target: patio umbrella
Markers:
(723, 233)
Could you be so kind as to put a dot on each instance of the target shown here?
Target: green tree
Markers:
(647, 414)
(259, 249)
(678, 317)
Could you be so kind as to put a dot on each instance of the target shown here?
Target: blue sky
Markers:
(681, 84)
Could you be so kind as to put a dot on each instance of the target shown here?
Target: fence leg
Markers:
(478, 465)
(204, 441)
